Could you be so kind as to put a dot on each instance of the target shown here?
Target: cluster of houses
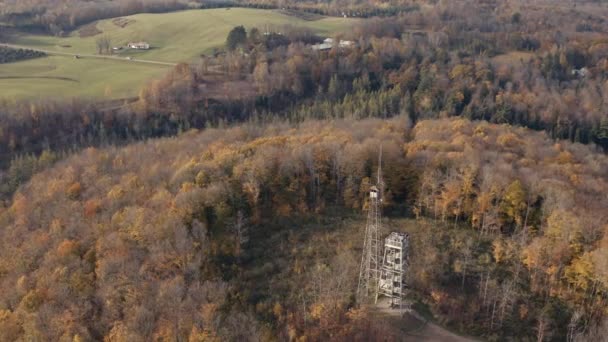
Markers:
(328, 44)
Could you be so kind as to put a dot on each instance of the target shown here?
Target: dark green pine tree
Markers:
(236, 38)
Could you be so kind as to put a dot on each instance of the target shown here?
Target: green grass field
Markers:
(66, 77)
(179, 36)
(174, 37)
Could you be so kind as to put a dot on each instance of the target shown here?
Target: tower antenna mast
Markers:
(369, 271)
(383, 274)
(380, 165)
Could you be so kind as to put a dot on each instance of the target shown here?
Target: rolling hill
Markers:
(178, 36)
(140, 243)
(174, 37)
(63, 76)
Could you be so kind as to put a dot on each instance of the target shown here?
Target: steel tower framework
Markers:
(369, 271)
(395, 264)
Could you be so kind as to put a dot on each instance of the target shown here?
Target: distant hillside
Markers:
(178, 36)
(144, 242)
(173, 37)
(59, 17)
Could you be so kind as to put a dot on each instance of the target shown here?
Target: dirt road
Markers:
(431, 332)
(414, 327)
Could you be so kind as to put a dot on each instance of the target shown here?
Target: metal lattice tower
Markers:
(369, 271)
(393, 282)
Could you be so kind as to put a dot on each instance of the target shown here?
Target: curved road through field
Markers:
(115, 58)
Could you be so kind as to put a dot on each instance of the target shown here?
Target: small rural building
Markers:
(322, 46)
(328, 43)
(346, 43)
(582, 72)
(139, 46)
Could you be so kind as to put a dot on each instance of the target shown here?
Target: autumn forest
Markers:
(227, 201)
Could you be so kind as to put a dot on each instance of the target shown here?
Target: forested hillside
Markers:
(227, 200)
(456, 59)
(161, 239)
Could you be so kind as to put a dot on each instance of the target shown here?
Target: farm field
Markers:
(174, 37)
(66, 77)
(178, 36)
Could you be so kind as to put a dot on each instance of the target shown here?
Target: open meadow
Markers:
(178, 36)
(173, 37)
(67, 77)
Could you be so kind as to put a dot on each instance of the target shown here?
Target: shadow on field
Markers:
(66, 79)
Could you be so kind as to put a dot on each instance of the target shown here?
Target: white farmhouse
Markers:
(139, 46)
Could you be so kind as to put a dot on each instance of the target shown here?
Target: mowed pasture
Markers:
(66, 77)
(178, 36)
(174, 37)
